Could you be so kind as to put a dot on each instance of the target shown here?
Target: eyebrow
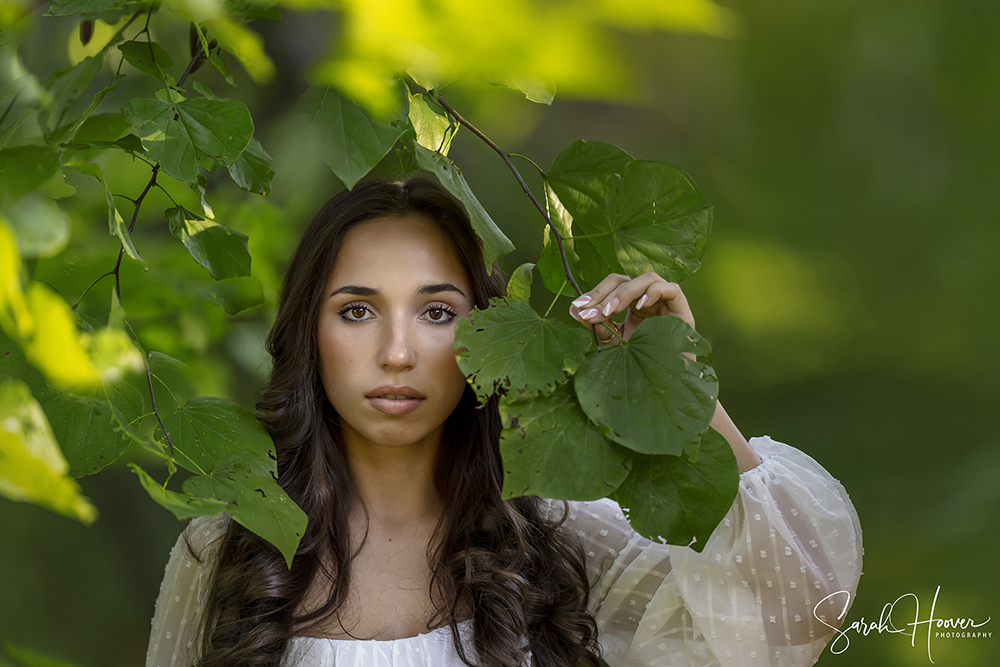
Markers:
(436, 288)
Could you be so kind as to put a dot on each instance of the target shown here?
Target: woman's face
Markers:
(387, 330)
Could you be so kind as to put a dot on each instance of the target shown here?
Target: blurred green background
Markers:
(850, 290)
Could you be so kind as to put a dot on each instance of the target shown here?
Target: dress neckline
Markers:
(462, 626)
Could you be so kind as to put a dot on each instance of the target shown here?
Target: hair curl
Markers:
(518, 574)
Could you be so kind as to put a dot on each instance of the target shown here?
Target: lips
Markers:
(394, 400)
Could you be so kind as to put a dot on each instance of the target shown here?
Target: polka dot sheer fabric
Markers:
(782, 565)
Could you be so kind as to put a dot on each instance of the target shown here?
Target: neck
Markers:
(396, 483)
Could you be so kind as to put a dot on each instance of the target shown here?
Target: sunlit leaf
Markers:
(253, 170)
(510, 346)
(519, 285)
(55, 346)
(207, 429)
(27, 657)
(32, 468)
(583, 173)
(495, 242)
(246, 45)
(649, 397)
(671, 499)
(353, 142)
(551, 449)
(255, 501)
(434, 128)
(204, 128)
(219, 249)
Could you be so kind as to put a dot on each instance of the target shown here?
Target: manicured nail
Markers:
(608, 309)
(589, 313)
(581, 301)
(642, 301)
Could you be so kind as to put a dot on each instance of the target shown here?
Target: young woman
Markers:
(411, 557)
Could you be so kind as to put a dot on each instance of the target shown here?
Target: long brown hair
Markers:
(516, 571)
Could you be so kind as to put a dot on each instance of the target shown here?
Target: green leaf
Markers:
(116, 224)
(253, 170)
(24, 169)
(495, 243)
(221, 250)
(551, 449)
(149, 58)
(87, 430)
(256, 502)
(550, 263)
(27, 657)
(204, 128)
(353, 142)
(433, 126)
(219, 63)
(248, 10)
(68, 132)
(171, 385)
(74, 7)
(41, 227)
(519, 285)
(650, 398)
(675, 501)
(208, 429)
(583, 173)
(182, 505)
(235, 294)
(653, 222)
(32, 467)
(510, 346)
(65, 87)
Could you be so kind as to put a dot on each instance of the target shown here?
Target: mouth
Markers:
(395, 400)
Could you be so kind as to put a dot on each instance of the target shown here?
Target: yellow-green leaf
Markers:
(32, 467)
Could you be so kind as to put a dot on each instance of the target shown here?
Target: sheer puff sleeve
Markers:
(175, 637)
(791, 538)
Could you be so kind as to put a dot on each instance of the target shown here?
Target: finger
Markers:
(621, 296)
(591, 303)
(664, 298)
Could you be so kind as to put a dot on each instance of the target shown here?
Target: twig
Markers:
(506, 158)
(131, 226)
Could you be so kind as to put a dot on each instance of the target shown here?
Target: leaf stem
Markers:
(527, 191)
(541, 172)
(558, 294)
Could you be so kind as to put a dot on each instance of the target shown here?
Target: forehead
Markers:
(411, 250)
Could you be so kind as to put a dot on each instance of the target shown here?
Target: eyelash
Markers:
(448, 310)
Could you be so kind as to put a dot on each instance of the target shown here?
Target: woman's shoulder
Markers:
(204, 532)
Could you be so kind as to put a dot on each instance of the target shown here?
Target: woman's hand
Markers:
(644, 296)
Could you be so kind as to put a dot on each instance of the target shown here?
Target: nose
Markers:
(397, 352)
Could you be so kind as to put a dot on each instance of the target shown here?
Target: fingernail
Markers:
(610, 307)
(581, 301)
(639, 305)
(590, 312)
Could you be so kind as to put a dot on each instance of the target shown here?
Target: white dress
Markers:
(750, 598)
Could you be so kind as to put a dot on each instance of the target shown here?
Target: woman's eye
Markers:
(354, 312)
(440, 315)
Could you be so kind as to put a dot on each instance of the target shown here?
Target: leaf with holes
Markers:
(649, 397)
(551, 449)
(671, 499)
(256, 502)
(510, 346)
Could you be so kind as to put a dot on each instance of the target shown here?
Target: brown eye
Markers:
(358, 312)
(436, 314)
